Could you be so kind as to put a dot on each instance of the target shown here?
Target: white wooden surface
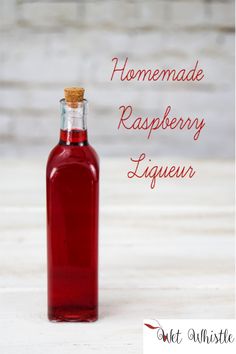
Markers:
(164, 253)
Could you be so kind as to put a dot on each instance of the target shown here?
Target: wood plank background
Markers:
(48, 45)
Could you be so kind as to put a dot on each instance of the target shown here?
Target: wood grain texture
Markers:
(164, 253)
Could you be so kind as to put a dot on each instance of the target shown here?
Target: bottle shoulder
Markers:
(62, 156)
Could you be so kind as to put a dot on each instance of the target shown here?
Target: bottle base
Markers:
(61, 314)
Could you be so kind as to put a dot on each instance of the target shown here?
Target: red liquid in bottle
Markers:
(72, 226)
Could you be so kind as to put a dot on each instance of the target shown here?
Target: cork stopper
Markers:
(73, 95)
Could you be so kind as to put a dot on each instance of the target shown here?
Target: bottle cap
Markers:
(73, 95)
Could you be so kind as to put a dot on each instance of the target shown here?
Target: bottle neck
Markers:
(73, 123)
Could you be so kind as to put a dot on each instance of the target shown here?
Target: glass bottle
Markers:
(72, 217)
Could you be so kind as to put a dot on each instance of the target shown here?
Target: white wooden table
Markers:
(164, 253)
